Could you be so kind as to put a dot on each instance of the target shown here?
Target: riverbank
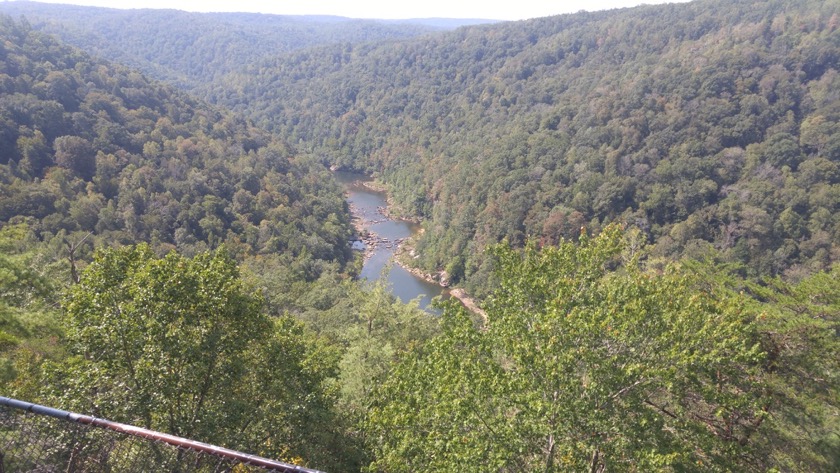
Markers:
(364, 233)
(458, 293)
(406, 250)
(379, 237)
(386, 238)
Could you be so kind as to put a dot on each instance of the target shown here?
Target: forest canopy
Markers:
(644, 201)
(712, 126)
(709, 125)
(92, 147)
(193, 48)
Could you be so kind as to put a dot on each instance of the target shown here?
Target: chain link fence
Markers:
(40, 439)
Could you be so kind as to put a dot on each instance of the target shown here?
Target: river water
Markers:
(367, 205)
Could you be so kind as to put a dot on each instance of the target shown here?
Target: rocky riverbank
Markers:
(369, 239)
(365, 218)
(406, 251)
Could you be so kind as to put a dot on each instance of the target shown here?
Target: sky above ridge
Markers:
(381, 9)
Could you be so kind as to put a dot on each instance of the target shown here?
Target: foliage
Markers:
(93, 147)
(181, 345)
(191, 49)
(363, 326)
(798, 323)
(710, 127)
(29, 325)
(705, 124)
(590, 362)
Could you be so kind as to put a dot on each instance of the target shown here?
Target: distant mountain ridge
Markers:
(191, 48)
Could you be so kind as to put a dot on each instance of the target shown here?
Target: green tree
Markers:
(181, 345)
(587, 362)
(76, 154)
(799, 325)
(382, 326)
(35, 153)
(29, 322)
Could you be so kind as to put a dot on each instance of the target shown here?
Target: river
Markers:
(367, 205)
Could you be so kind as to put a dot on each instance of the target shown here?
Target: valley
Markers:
(635, 213)
(384, 238)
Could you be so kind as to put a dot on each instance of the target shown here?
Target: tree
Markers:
(29, 322)
(587, 362)
(35, 153)
(800, 332)
(181, 345)
(383, 327)
(76, 154)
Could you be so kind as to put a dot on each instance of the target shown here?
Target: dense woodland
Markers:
(96, 156)
(645, 200)
(94, 147)
(189, 49)
(711, 126)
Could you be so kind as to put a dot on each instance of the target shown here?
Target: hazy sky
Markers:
(388, 9)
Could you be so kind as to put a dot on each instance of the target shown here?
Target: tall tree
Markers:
(587, 362)
(800, 331)
(29, 321)
(181, 345)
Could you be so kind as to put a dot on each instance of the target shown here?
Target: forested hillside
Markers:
(212, 254)
(711, 126)
(191, 49)
(647, 201)
(88, 146)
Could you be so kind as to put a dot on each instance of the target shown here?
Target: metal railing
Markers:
(35, 438)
